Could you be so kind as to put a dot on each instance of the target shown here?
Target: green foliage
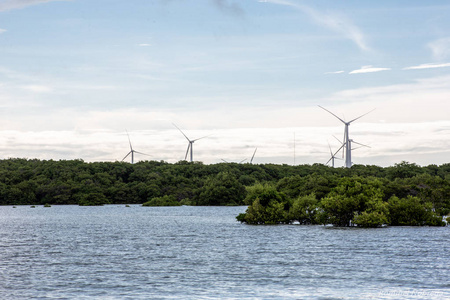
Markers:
(263, 191)
(375, 215)
(410, 211)
(350, 198)
(162, 201)
(270, 214)
(344, 196)
(295, 186)
(222, 189)
(304, 210)
(370, 219)
(268, 206)
(338, 210)
(404, 170)
(92, 199)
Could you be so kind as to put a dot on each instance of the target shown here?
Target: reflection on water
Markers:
(119, 252)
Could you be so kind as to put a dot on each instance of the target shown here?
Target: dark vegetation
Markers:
(368, 196)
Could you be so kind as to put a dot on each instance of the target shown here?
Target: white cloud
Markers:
(37, 88)
(2, 30)
(368, 69)
(335, 72)
(425, 100)
(415, 128)
(335, 22)
(428, 66)
(423, 143)
(440, 48)
(18, 4)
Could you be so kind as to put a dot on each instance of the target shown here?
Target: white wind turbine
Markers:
(333, 155)
(190, 145)
(229, 162)
(240, 162)
(347, 141)
(132, 151)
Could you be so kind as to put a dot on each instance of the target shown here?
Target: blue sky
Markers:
(75, 74)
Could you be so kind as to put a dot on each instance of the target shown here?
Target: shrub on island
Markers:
(268, 206)
(354, 201)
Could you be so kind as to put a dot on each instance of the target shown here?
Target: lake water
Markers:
(118, 252)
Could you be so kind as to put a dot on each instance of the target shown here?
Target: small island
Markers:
(363, 195)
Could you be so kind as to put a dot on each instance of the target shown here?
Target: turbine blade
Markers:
(337, 139)
(141, 153)
(187, 151)
(251, 160)
(332, 114)
(131, 147)
(181, 132)
(242, 160)
(357, 148)
(362, 145)
(126, 156)
(223, 160)
(361, 116)
(338, 149)
(331, 152)
(329, 160)
(201, 138)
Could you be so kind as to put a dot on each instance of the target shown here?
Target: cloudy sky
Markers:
(75, 75)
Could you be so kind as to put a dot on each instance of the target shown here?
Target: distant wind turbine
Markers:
(132, 151)
(347, 141)
(229, 162)
(333, 155)
(190, 145)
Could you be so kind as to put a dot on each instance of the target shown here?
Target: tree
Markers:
(222, 189)
(338, 210)
(268, 206)
(411, 212)
(304, 210)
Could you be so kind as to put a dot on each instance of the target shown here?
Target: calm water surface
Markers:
(118, 252)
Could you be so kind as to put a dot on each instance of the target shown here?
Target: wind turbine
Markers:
(190, 145)
(238, 162)
(132, 151)
(347, 140)
(333, 155)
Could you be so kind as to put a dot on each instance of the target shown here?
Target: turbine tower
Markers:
(347, 140)
(132, 151)
(190, 145)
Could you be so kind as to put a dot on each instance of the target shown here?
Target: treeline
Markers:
(39, 182)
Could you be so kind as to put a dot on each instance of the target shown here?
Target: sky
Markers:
(77, 75)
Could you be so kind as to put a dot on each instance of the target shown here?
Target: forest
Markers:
(363, 195)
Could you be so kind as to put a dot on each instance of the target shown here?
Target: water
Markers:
(118, 252)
